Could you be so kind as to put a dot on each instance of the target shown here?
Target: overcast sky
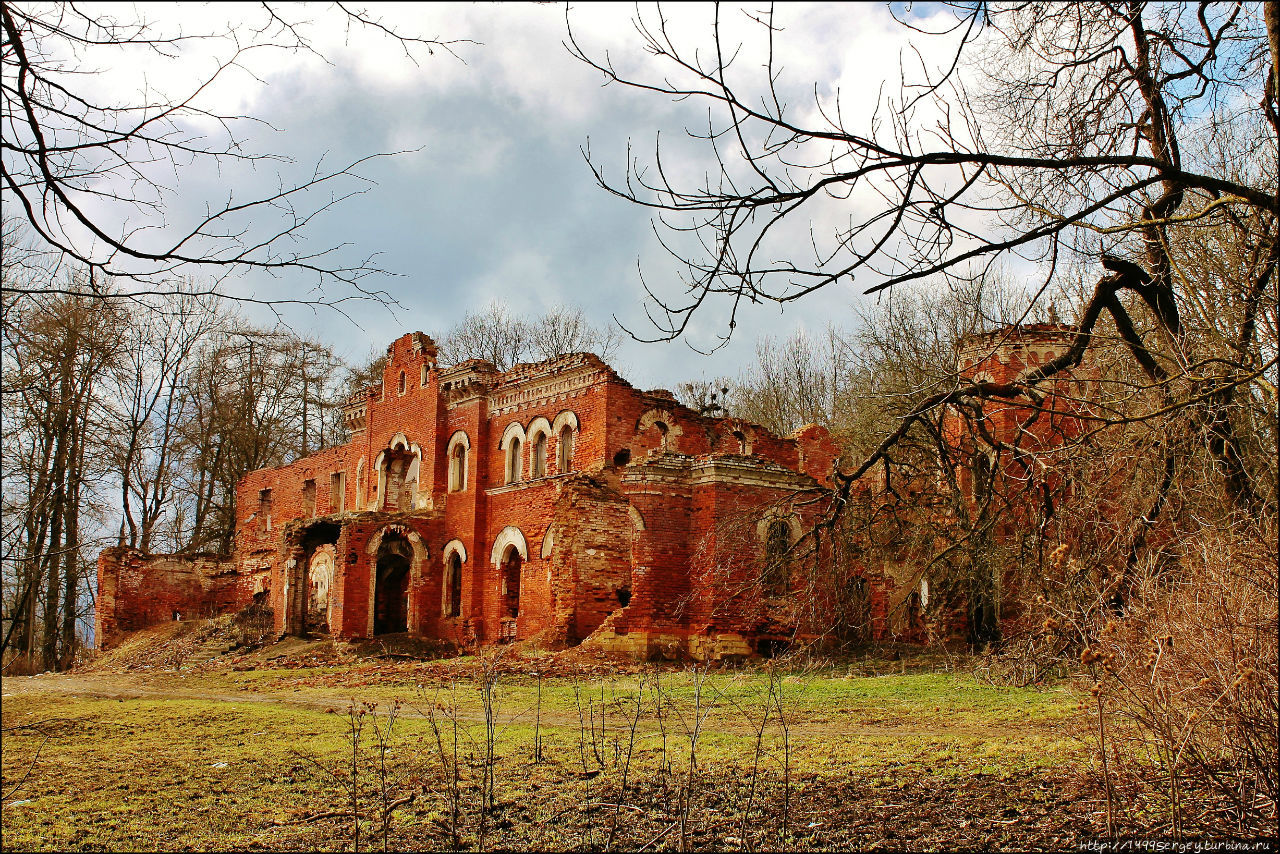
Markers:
(494, 200)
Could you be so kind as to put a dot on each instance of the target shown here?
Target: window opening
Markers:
(540, 456)
(981, 477)
(775, 579)
(622, 457)
(564, 461)
(915, 616)
(309, 498)
(513, 461)
(401, 384)
(453, 586)
(511, 583)
(264, 508)
(458, 468)
(337, 492)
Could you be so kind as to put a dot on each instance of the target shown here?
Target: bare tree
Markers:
(248, 394)
(87, 168)
(505, 339)
(1052, 132)
(564, 330)
(57, 347)
(152, 404)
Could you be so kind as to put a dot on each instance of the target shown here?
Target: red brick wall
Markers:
(137, 590)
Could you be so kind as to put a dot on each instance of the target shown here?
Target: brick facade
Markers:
(552, 502)
(557, 503)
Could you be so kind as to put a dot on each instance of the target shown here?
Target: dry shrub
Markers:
(254, 624)
(1186, 683)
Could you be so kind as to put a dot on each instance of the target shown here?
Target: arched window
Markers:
(453, 586)
(742, 441)
(540, 455)
(776, 576)
(513, 460)
(400, 386)
(564, 457)
(458, 468)
(663, 430)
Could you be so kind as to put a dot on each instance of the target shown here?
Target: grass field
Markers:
(829, 757)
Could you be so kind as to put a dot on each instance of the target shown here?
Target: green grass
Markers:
(197, 773)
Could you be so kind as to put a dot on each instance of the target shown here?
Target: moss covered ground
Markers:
(254, 753)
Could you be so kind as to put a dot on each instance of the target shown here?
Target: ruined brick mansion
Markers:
(552, 502)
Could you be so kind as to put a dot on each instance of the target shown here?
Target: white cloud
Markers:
(498, 204)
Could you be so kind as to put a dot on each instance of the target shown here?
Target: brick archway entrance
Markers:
(391, 586)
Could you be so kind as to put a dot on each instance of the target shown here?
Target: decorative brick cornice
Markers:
(559, 379)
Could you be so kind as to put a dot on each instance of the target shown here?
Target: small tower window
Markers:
(400, 386)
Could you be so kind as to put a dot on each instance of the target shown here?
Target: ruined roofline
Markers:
(115, 550)
(1015, 333)
(493, 383)
(530, 371)
(979, 346)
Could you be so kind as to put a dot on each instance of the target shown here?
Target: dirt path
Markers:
(135, 686)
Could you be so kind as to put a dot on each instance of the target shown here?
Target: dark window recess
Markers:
(622, 457)
(624, 596)
(776, 577)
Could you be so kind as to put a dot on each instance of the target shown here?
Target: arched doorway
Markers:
(391, 586)
(320, 577)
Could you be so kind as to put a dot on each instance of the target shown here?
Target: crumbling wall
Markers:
(137, 590)
(590, 554)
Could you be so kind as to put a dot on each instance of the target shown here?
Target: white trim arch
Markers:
(636, 518)
(548, 543)
(537, 425)
(451, 547)
(565, 418)
(458, 439)
(539, 428)
(766, 522)
(513, 429)
(509, 536)
(513, 442)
